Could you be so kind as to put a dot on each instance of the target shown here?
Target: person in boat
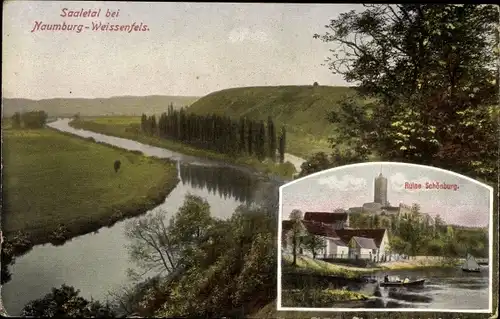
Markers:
(386, 278)
(407, 280)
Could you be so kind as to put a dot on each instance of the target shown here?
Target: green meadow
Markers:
(57, 186)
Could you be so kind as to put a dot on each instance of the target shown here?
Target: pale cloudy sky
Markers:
(353, 186)
(191, 48)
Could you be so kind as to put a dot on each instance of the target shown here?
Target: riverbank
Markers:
(129, 128)
(58, 186)
(307, 264)
(320, 298)
(421, 262)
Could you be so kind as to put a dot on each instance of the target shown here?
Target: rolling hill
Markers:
(119, 105)
(302, 109)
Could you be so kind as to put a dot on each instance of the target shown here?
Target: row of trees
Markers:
(219, 133)
(31, 120)
(409, 235)
(414, 236)
(299, 239)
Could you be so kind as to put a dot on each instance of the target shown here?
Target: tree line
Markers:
(31, 119)
(414, 236)
(409, 235)
(219, 133)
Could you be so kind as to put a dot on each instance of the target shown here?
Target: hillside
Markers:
(119, 105)
(302, 109)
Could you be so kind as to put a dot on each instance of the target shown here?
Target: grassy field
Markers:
(118, 105)
(53, 182)
(127, 127)
(302, 109)
(306, 264)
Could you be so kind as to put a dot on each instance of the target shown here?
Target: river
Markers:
(444, 288)
(97, 263)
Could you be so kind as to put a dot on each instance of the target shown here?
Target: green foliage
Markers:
(420, 237)
(16, 120)
(282, 145)
(29, 120)
(189, 227)
(230, 262)
(271, 134)
(149, 244)
(318, 298)
(65, 302)
(296, 217)
(313, 243)
(427, 73)
(117, 164)
(338, 157)
(215, 133)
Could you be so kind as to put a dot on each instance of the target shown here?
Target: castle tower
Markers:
(380, 191)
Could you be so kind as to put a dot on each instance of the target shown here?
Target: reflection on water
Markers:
(97, 262)
(443, 289)
(221, 181)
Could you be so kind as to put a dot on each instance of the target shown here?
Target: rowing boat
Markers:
(402, 283)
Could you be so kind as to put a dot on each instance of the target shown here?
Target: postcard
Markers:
(246, 160)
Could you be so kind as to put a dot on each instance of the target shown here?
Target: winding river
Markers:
(97, 263)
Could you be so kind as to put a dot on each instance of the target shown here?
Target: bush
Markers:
(117, 165)
(60, 235)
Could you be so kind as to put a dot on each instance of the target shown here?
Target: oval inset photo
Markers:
(385, 236)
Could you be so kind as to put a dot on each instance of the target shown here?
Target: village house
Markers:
(370, 244)
(366, 243)
(323, 231)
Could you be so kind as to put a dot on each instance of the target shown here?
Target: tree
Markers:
(282, 145)
(66, 302)
(251, 138)
(16, 120)
(117, 165)
(313, 243)
(296, 232)
(271, 134)
(427, 83)
(150, 245)
(315, 163)
(189, 226)
(242, 141)
(144, 123)
(261, 141)
(234, 265)
(34, 119)
(154, 125)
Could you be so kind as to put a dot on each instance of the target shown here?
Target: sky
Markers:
(352, 186)
(191, 49)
